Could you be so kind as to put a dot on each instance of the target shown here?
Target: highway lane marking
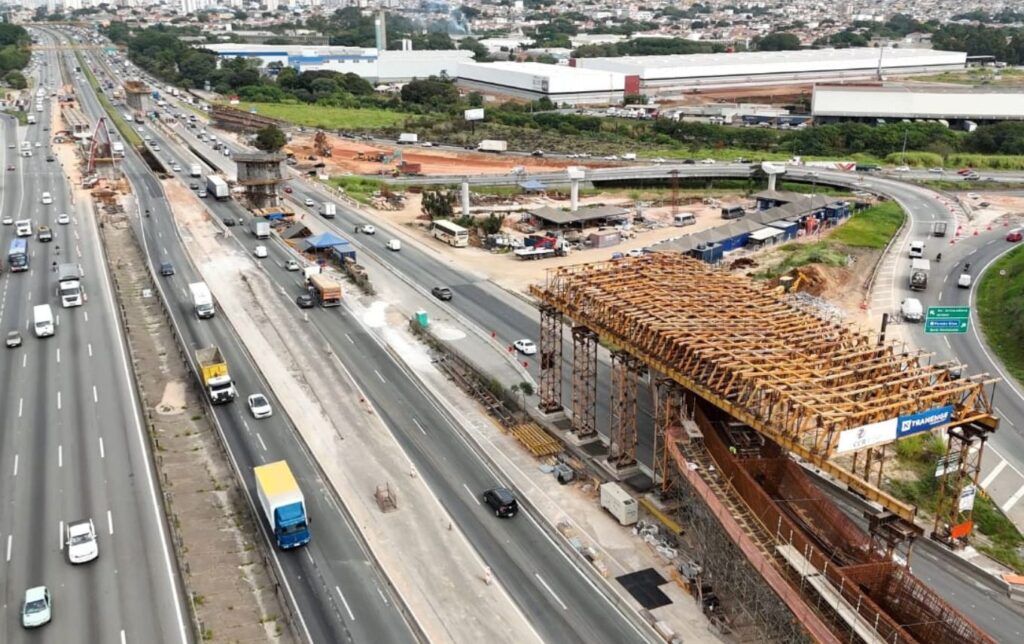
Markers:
(58, 355)
(348, 610)
(383, 598)
(95, 397)
(58, 400)
(24, 361)
(78, 250)
(103, 453)
(21, 402)
(471, 495)
(110, 522)
(60, 456)
(350, 338)
(86, 315)
(15, 465)
(123, 640)
(246, 425)
(947, 343)
(89, 346)
(1012, 501)
(419, 426)
(60, 536)
(260, 439)
(994, 473)
(380, 376)
(548, 588)
(310, 557)
(10, 539)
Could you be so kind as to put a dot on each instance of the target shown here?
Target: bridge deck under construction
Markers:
(804, 383)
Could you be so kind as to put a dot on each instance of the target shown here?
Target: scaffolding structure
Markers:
(584, 382)
(741, 377)
(550, 360)
(794, 377)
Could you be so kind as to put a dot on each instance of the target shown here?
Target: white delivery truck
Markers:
(217, 187)
(195, 170)
(493, 145)
(619, 503)
(69, 285)
(31, 118)
(42, 320)
(117, 149)
(328, 210)
(202, 300)
(408, 138)
(260, 228)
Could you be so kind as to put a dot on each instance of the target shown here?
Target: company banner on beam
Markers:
(886, 431)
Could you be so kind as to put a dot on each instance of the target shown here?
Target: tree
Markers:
(777, 41)
(270, 139)
(438, 204)
(15, 80)
(432, 92)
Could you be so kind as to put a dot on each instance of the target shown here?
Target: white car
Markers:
(38, 144)
(36, 610)
(63, 219)
(309, 202)
(707, 162)
(8, 220)
(367, 229)
(259, 406)
(260, 251)
(936, 170)
(964, 281)
(902, 168)
(525, 347)
(80, 540)
(291, 265)
(47, 199)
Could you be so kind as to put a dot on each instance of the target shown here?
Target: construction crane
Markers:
(320, 142)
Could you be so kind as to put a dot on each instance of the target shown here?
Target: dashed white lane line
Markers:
(380, 376)
(471, 495)
(15, 473)
(260, 439)
(420, 427)
(1012, 501)
(58, 400)
(58, 356)
(994, 473)
(89, 346)
(548, 588)
(382, 597)
(60, 536)
(348, 610)
(10, 542)
(60, 456)
(110, 522)
(21, 404)
(103, 453)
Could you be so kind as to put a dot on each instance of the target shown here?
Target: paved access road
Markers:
(334, 582)
(72, 445)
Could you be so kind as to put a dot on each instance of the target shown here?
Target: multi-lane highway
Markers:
(72, 445)
(561, 602)
(340, 594)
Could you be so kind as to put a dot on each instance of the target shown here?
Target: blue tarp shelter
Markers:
(331, 243)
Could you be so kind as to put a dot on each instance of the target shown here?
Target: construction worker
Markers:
(732, 450)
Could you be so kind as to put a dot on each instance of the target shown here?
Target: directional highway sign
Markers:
(947, 319)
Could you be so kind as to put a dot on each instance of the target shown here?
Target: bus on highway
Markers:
(451, 234)
(17, 255)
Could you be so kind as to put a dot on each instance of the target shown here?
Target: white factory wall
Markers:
(903, 103)
(762, 63)
(406, 65)
(541, 78)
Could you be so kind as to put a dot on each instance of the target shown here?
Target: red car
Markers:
(288, 189)
(1014, 236)
(964, 171)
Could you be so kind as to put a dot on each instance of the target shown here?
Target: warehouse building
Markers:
(668, 75)
(374, 65)
(958, 106)
(532, 81)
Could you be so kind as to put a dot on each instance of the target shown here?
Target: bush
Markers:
(916, 159)
(993, 161)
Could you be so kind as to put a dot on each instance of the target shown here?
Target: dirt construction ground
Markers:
(343, 159)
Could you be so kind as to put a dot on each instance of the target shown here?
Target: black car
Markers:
(689, 162)
(166, 269)
(305, 301)
(502, 501)
(49, 157)
(229, 221)
(193, 186)
(441, 292)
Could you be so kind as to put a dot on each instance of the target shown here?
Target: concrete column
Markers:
(771, 180)
(465, 198)
(574, 195)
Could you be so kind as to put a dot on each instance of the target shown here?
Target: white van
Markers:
(47, 199)
(42, 320)
(394, 244)
(916, 249)
(683, 219)
(23, 228)
(912, 310)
